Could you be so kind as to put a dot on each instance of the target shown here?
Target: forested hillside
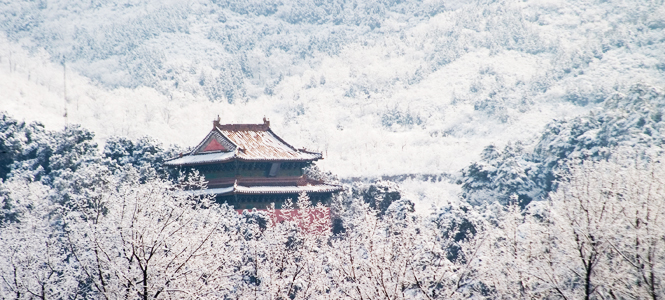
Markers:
(426, 84)
(77, 220)
(486, 149)
(626, 121)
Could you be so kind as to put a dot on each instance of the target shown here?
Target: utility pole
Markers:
(64, 76)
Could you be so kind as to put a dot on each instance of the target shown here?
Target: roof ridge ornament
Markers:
(266, 122)
(215, 122)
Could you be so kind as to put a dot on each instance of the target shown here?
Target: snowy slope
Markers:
(381, 88)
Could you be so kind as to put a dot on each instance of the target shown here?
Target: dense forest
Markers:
(581, 215)
(419, 82)
(487, 149)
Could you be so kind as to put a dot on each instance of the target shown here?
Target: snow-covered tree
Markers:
(598, 236)
(507, 255)
(499, 176)
(34, 262)
(638, 185)
(399, 255)
(144, 154)
(22, 145)
(287, 259)
(152, 241)
(630, 119)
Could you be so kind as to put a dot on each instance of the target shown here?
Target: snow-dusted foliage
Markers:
(599, 236)
(125, 237)
(499, 175)
(24, 143)
(381, 87)
(287, 259)
(382, 196)
(146, 240)
(632, 120)
(34, 260)
(393, 89)
(144, 154)
(94, 226)
(227, 49)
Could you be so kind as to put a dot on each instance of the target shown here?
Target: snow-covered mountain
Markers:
(380, 87)
(479, 107)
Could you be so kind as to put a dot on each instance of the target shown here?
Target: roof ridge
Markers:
(208, 136)
(219, 131)
(281, 140)
(238, 127)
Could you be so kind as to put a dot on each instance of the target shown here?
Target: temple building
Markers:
(249, 166)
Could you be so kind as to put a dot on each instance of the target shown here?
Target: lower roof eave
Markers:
(277, 159)
(215, 191)
(268, 190)
(207, 162)
(295, 190)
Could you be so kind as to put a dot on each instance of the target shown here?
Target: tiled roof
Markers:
(264, 145)
(246, 142)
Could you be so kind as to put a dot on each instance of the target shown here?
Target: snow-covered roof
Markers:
(319, 188)
(251, 190)
(264, 145)
(219, 191)
(201, 159)
(247, 142)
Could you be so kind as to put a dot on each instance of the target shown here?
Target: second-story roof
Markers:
(245, 142)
